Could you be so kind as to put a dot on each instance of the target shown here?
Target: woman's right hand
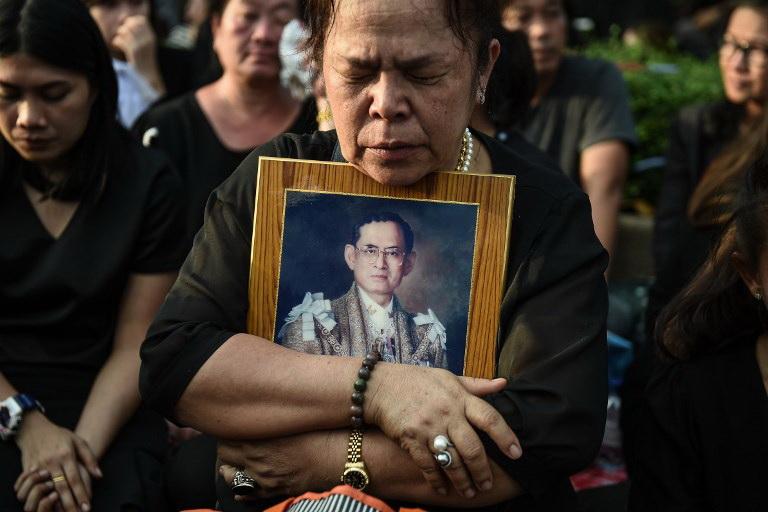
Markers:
(47, 447)
(413, 405)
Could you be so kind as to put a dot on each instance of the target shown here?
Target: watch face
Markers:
(356, 478)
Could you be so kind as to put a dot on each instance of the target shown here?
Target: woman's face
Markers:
(745, 74)
(110, 14)
(247, 36)
(44, 110)
(401, 87)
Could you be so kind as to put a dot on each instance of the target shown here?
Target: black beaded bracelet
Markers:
(363, 374)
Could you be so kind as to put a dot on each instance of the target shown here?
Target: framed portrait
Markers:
(341, 264)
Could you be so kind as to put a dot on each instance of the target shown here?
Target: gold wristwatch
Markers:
(355, 473)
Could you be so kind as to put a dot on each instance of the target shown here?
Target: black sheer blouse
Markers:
(552, 344)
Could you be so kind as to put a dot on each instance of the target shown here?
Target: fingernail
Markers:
(442, 491)
(98, 472)
(486, 486)
(221, 470)
(43, 473)
(470, 494)
(515, 451)
(85, 507)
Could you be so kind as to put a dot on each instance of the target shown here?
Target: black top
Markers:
(588, 103)
(552, 348)
(702, 443)
(698, 135)
(184, 133)
(59, 298)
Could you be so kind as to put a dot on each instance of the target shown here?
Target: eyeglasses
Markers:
(755, 55)
(393, 255)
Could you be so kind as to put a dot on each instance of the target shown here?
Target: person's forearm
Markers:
(112, 401)
(606, 203)
(147, 66)
(6, 388)
(251, 388)
(603, 171)
(394, 475)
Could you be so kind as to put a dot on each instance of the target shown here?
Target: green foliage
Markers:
(660, 82)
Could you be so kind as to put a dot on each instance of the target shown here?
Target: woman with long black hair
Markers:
(89, 246)
(700, 443)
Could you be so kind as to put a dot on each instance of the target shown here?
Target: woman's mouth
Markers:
(393, 152)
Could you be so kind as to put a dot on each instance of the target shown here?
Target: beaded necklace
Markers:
(467, 151)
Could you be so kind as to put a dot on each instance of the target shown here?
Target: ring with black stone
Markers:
(242, 484)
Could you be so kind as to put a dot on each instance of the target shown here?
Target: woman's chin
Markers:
(400, 177)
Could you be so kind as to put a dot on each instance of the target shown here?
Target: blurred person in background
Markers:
(700, 439)
(208, 132)
(710, 148)
(580, 112)
(146, 70)
(90, 243)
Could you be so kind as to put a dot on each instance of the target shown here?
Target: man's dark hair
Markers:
(384, 217)
(472, 21)
(63, 34)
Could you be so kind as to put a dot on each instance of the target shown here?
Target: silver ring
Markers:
(441, 443)
(242, 484)
(444, 458)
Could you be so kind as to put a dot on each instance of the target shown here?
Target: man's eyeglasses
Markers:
(392, 255)
(755, 55)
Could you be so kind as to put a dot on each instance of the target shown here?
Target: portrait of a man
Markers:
(369, 316)
(360, 273)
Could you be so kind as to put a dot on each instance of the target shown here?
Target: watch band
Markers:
(12, 411)
(355, 446)
(355, 473)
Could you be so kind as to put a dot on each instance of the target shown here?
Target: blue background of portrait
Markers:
(319, 225)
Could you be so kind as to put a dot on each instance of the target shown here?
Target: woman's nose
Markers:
(267, 30)
(388, 98)
(31, 115)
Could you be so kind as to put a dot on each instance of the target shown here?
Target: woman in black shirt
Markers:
(700, 441)
(208, 132)
(89, 246)
(402, 78)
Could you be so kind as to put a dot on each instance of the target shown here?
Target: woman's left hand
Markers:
(280, 466)
(37, 492)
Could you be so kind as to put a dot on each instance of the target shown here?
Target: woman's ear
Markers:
(747, 273)
(215, 25)
(494, 50)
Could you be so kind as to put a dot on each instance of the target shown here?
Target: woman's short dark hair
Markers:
(717, 309)
(62, 34)
(472, 21)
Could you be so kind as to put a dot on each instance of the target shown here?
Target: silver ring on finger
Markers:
(441, 443)
(444, 458)
(242, 484)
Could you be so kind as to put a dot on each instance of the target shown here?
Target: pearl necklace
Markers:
(467, 151)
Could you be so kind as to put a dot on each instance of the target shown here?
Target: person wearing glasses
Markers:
(710, 146)
(369, 316)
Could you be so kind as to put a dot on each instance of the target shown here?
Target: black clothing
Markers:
(59, 301)
(701, 443)
(59, 297)
(698, 135)
(201, 158)
(555, 360)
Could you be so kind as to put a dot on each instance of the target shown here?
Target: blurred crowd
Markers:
(198, 85)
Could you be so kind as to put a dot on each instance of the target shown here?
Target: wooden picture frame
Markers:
(462, 228)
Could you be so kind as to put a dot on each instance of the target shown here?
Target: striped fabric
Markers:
(339, 499)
